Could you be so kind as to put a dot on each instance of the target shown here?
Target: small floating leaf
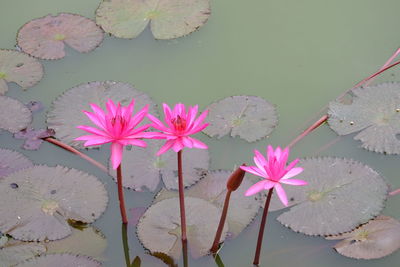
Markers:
(169, 18)
(41, 199)
(249, 117)
(14, 252)
(19, 68)
(61, 260)
(14, 116)
(341, 194)
(33, 138)
(159, 228)
(374, 113)
(45, 37)
(143, 169)
(373, 240)
(212, 188)
(66, 111)
(11, 161)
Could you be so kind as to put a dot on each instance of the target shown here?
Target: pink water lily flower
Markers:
(180, 124)
(116, 126)
(275, 172)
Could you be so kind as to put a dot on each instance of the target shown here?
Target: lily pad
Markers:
(19, 68)
(89, 242)
(14, 251)
(41, 199)
(45, 37)
(33, 138)
(141, 167)
(341, 194)
(249, 117)
(212, 188)
(374, 113)
(66, 111)
(159, 228)
(14, 116)
(169, 18)
(11, 161)
(373, 240)
(60, 260)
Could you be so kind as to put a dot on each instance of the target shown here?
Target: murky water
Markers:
(297, 54)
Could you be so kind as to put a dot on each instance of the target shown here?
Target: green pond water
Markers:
(299, 55)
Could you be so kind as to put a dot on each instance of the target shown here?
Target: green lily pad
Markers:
(11, 161)
(66, 111)
(376, 239)
(212, 188)
(60, 260)
(45, 37)
(41, 199)
(14, 116)
(249, 117)
(374, 113)
(169, 18)
(19, 68)
(341, 194)
(141, 168)
(159, 228)
(13, 251)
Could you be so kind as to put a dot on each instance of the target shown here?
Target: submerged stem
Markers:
(395, 192)
(125, 244)
(262, 227)
(121, 195)
(181, 197)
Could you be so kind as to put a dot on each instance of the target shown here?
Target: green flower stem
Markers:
(125, 244)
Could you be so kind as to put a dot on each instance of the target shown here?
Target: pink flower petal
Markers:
(167, 115)
(198, 143)
(165, 147)
(269, 184)
(192, 113)
(187, 142)
(97, 140)
(293, 182)
(116, 154)
(270, 153)
(255, 188)
(134, 142)
(127, 111)
(95, 119)
(98, 111)
(92, 130)
(253, 170)
(157, 124)
(281, 194)
(293, 172)
(111, 108)
(278, 153)
(259, 160)
(135, 120)
(196, 125)
(178, 145)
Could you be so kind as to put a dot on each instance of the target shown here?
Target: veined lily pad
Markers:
(19, 68)
(169, 18)
(159, 228)
(143, 169)
(374, 113)
(45, 37)
(249, 117)
(212, 188)
(373, 240)
(60, 260)
(14, 252)
(89, 242)
(41, 199)
(341, 194)
(11, 161)
(66, 112)
(14, 116)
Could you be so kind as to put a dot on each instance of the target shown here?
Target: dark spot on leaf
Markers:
(53, 191)
(14, 185)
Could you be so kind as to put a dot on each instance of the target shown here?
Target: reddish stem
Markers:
(262, 227)
(77, 152)
(395, 192)
(121, 195)
(218, 234)
(181, 197)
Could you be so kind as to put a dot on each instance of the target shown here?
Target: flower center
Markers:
(179, 123)
(118, 120)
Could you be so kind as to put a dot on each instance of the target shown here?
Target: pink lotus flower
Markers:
(117, 126)
(274, 171)
(179, 126)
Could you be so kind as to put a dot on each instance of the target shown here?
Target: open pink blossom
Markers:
(275, 172)
(116, 126)
(180, 124)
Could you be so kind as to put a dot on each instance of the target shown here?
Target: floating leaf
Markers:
(143, 169)
(14, 116)
(41, 199)
(60, 260)
(11, 161)
(169, 18)
(33, 138)
(66, 112)
(249, 117)
(341, 194)
(374, 113)
(14, 252)
(89, 242)
(212, 188)
(45, 37)
(373, 240)
(159, 228)
(19, 68)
